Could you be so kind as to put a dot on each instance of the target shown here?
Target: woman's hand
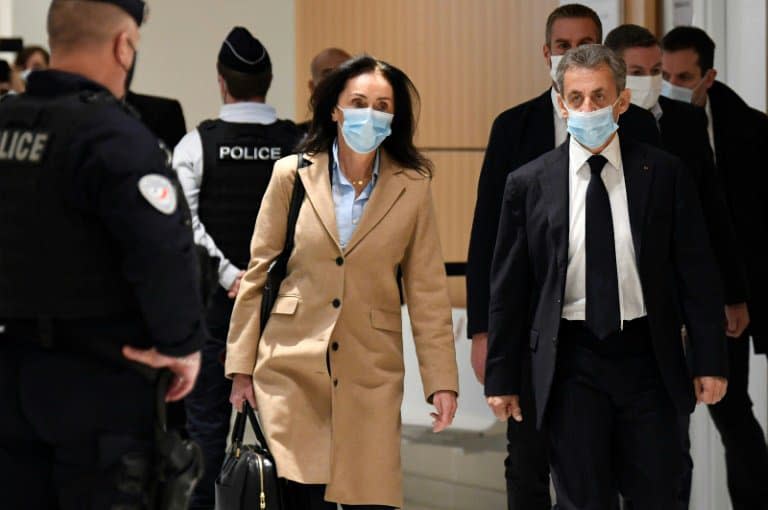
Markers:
(445, 403)
(242, 390)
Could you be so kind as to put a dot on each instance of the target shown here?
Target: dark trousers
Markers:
(75, 431)
(686, 478)
(298, 496)
(611, 423)
(746, 457)
(527, 462)
(208, 409)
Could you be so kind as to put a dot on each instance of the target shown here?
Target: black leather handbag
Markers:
(248, 477)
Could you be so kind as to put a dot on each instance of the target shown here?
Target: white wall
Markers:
(180, 42)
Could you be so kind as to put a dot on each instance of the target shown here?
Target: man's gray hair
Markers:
(592, 56)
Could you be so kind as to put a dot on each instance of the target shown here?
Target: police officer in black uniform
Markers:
(98, 284)
(224, 167)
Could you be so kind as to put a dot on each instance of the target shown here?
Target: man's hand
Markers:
(737, 319)
(235, 288)
(184, 369)
(479, 355)
(242, 390)
(710, 390)
(504, 406)
(445, 404)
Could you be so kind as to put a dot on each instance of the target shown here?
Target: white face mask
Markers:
(677, 93)
(553, 70)
(645, 90)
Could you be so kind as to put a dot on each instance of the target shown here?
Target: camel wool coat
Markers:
(328, 369)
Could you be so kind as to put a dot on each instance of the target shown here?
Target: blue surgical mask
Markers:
(675, 92)
(592, 129)
(365, 128)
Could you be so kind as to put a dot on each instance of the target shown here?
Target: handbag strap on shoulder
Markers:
(297, 198)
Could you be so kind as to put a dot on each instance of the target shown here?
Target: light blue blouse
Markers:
(349, 209)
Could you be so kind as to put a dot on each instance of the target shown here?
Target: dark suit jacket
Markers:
(519, 135)
(741, 136)
(163, 116)
(684, 133)
(531, 259)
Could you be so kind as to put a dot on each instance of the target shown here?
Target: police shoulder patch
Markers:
(159, 192)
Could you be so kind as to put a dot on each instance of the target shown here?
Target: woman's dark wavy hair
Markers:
(399, 145)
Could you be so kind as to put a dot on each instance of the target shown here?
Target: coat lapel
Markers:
(555, 184)
(388, 189)
(317, 183)
(638, 175)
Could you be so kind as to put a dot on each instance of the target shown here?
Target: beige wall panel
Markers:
(469, 59)
(644, 13)
(454, 188)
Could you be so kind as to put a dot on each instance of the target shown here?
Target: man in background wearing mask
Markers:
(737, 134)
(683, 130)
(597, 241)
(98, 278)
(224, 167)
(518, 136)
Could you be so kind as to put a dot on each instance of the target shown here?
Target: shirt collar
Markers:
(578, 155)
(553, 93)
(339, 175)
(708, 109)
(248, 112)
(657, 111)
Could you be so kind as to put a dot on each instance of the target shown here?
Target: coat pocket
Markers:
(534, 340)
(285, 305)
(389, 321)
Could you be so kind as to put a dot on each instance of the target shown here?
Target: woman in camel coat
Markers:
(327, 373)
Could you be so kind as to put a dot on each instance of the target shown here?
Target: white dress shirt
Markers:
(561, 126)
(188, 163)
(631, 302)
(710, 128)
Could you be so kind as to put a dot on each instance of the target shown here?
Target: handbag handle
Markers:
(238, 429)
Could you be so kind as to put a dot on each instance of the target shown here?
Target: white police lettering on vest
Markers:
(22, 146)
(240, 153)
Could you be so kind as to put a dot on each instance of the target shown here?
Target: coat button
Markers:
(554, 340)
(339, 261)
(335, 382)
(336, 303)
(335, 346)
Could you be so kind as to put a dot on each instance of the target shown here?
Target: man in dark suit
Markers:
(683, 129)
(163, 116)
(738, 135)
(518, 136)
(598, 242)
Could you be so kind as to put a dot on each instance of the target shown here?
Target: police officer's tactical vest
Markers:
(237, 164)
(56, 261)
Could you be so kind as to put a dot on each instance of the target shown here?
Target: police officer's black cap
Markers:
(136, 8)
(242, 52)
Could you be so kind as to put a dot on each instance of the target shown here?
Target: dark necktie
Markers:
(603, 314)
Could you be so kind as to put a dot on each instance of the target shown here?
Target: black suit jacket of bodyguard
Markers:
(683, 129)
(676, 266)
(741, 139)
(163, 116)
(519, 135)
